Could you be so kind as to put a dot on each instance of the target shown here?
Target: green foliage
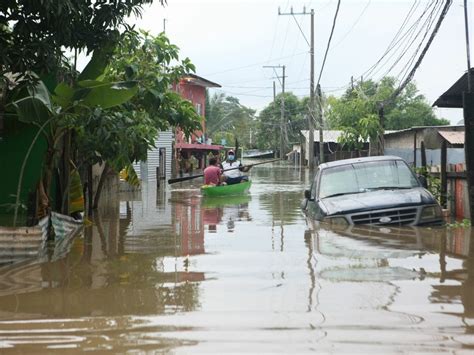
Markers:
(227, 118)
(407, 110)
(465, 223)
(124, 134)
(130, 175)
(268, 121)
(434, 183)
(35, 34)
(363, 130)
(229, 137)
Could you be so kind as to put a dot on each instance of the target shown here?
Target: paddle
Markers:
(185, 178)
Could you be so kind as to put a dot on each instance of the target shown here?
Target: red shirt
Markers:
(211, 175)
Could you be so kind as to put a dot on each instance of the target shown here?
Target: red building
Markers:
(190, 153)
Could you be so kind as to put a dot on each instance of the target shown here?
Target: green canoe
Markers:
(226, 190)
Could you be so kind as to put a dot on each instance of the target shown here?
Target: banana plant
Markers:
(54, 112)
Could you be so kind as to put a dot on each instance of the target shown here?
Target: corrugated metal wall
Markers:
(147, 170)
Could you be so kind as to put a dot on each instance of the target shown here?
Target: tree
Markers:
(114, 110)
(227, 118)
(356, 112)
(268, 121)
(55, 115)
(35, 34)
(123, 135)
(406, 110)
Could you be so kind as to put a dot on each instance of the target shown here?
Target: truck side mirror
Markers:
(307, 195)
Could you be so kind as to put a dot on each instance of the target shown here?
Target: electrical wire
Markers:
(254, 64)
(423, 53)
(354, 24)
(409, 63)
(427, 26)
(394, 39)
(329, 41)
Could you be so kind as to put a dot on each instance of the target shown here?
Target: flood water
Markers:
(172, 272)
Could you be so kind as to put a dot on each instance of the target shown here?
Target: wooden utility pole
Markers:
(282, 119)
(274, 90)
(311, 86)
(282, 107)
(468, 109)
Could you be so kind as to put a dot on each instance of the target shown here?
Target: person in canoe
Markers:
(236, 175)
(213, 174)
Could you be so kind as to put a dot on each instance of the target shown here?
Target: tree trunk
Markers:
(100, 186)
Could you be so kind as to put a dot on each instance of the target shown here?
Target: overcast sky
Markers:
(230, 40)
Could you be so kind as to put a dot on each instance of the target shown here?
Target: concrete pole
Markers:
(312, 101)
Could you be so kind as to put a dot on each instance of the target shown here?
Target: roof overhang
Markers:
(453, 137)
(198, 147)
(199, 81)
(452, 98)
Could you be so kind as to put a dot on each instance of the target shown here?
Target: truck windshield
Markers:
(366, 176)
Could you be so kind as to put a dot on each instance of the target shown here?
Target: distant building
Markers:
(331, 144)
(171, 146)
(406, 143)
(191, 153)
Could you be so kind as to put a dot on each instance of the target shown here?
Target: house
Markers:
(458, 96)
(333, 150)
(191, 153)
(171, 146)
(407, 144)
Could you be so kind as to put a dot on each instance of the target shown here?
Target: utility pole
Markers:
(468, 108)
(311, 87)
(274, 90)
(164, 25)
(282, 106)
(320, 123)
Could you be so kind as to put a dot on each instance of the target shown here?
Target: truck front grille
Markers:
(398, 216)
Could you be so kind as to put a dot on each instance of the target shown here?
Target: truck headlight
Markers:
(336, 221)
(431, 212)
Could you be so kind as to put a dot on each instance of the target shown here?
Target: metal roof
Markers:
(329, 136)
(453, 137)
(419, 128)
(453, 96)
(197, 146)
(200, 81)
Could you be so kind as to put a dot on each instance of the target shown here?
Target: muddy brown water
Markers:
(172, 272)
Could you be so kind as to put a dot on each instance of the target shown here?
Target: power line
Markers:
(297, 23)
(329, 41)
(254, 64)
(354, 24)
(243, 94)
(425, 49)
(394, 39)
(432, 20)
(427, 25)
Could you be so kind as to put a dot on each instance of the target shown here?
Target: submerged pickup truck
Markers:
(379, 190)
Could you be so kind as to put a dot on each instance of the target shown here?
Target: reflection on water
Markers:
(171, 271)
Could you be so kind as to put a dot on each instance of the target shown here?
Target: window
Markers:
(199, 109)
(366, 176)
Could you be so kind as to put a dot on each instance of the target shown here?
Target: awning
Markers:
(200, 81)
(452, 98)
(453, 137)
(197, 146)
